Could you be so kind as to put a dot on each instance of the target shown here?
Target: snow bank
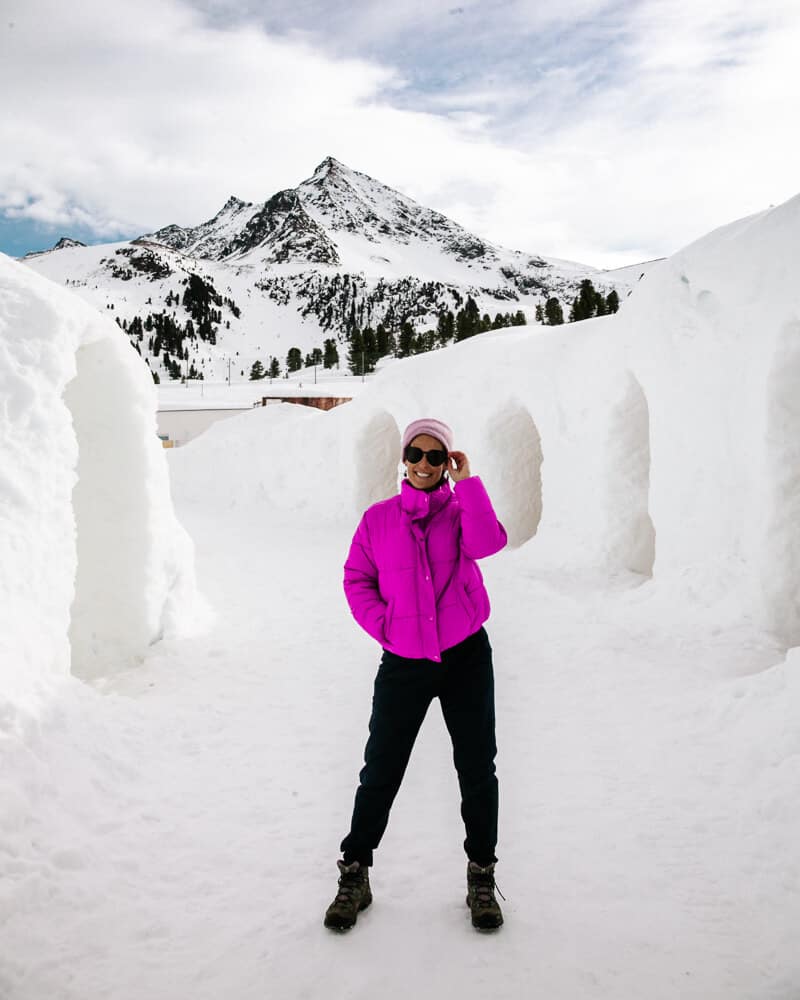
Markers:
(94, 564)
(663, 441)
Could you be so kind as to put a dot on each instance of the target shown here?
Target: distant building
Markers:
(320, 402)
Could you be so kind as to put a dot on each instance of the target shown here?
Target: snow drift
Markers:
(94, 564)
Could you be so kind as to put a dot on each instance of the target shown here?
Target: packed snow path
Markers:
(188, 816)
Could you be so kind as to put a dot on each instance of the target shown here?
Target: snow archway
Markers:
(376, 453)
(780, 552)
(113, 506)
(512, 457)
(630, 532)
(95, 565)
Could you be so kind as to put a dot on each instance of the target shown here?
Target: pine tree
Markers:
(585, 305)
(257, 371)
(468, 320)
(553, 312)
(356, 360)
(370, 348)
(445, 327)
(383, 340)
(499, 321)
(405, 342)
(473, 316)
(612, 301)
(274, 368)
(330, 356)
(294, 359)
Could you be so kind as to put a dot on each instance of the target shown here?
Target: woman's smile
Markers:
(421, 474)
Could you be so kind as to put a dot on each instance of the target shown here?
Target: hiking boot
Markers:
(486, 912)
(353, 896)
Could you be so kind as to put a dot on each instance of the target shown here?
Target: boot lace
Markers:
(350, 886)
(482, 881)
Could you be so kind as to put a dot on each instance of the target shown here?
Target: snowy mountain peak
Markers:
(283, 231)
(234, 203)
(306, 224)
(210, 239)
(63, 244)
(343, 200)
(330, 165)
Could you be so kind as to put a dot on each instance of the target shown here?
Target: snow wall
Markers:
(94, 565)
(713, 337)
(659, 446)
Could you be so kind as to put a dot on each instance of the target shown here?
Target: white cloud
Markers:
(133, 116)
(159, 116)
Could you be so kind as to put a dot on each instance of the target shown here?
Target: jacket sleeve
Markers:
(481, 533)
(361, 584)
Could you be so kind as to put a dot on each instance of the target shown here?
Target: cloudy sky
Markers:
(601, 132)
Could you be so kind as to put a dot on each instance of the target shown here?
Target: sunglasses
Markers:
(436, 456)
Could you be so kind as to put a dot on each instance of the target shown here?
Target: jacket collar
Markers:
(419, 503)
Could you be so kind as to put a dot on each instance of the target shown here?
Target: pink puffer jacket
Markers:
(411, 579)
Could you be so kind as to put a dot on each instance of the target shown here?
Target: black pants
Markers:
(404, 688)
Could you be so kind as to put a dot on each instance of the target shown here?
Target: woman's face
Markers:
(422, 475)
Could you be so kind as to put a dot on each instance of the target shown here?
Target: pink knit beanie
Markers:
(436, 428)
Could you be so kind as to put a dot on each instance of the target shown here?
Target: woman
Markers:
(412, 583)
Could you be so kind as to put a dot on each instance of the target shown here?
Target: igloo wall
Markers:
(95, 565)
(711, 336)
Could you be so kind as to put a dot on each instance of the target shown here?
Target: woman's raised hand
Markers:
(458, 466)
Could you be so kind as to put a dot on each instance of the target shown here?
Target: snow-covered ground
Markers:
(186, 820)
(170, 830)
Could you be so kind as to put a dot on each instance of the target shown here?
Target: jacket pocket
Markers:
(388, 619)
(467, 603)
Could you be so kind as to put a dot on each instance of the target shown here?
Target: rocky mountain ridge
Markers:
(338, 254)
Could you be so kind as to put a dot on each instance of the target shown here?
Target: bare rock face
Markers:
(300, 224)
